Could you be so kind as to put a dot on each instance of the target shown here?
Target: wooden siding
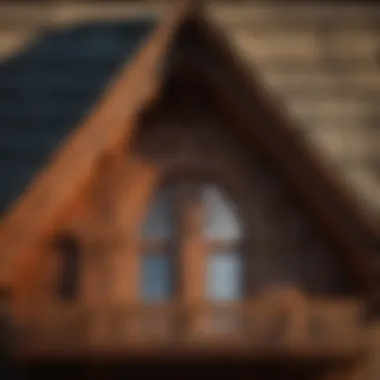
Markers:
(69, 331)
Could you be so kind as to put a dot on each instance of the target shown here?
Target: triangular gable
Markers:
(75, 161)
(140, 83)
(264, 120)
(275, 115)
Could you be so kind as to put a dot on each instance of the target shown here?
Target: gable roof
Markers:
(329, 78)
(47, 89)
(140, 83)
(76, 160)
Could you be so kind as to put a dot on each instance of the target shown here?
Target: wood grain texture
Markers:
(75, 162)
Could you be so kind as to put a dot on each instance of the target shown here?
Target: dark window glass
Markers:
(68, 282)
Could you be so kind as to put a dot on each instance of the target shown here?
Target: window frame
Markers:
(193, 246)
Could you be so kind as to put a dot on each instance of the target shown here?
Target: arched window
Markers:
(199, 221)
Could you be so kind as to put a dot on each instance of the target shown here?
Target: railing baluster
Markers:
(262, 324)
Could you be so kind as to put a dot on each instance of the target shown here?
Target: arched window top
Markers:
(221, 217)
(159, 220)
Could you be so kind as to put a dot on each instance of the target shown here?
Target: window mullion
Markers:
(192, 248)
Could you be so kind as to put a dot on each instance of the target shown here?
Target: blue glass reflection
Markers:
(155, 277)
(224, 276)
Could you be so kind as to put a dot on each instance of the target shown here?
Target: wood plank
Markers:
(192, 260)
(110, 240)
(133, 204)
(347, 339)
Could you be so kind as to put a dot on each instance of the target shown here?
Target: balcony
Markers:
(260, 328)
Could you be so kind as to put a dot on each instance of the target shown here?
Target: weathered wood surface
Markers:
(77, 163)
(270, 325)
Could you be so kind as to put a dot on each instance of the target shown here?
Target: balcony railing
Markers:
(315, 328)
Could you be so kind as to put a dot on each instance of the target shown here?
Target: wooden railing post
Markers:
(192, 258)
(276, 326)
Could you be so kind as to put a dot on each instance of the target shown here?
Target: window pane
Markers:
(221, 218)
(159, 223)
(155, 277)
(224, 278)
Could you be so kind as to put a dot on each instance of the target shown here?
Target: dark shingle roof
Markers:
(46, 90)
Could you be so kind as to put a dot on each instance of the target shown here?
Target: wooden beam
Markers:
(132, 207)
(342, 335)
(192, 256)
